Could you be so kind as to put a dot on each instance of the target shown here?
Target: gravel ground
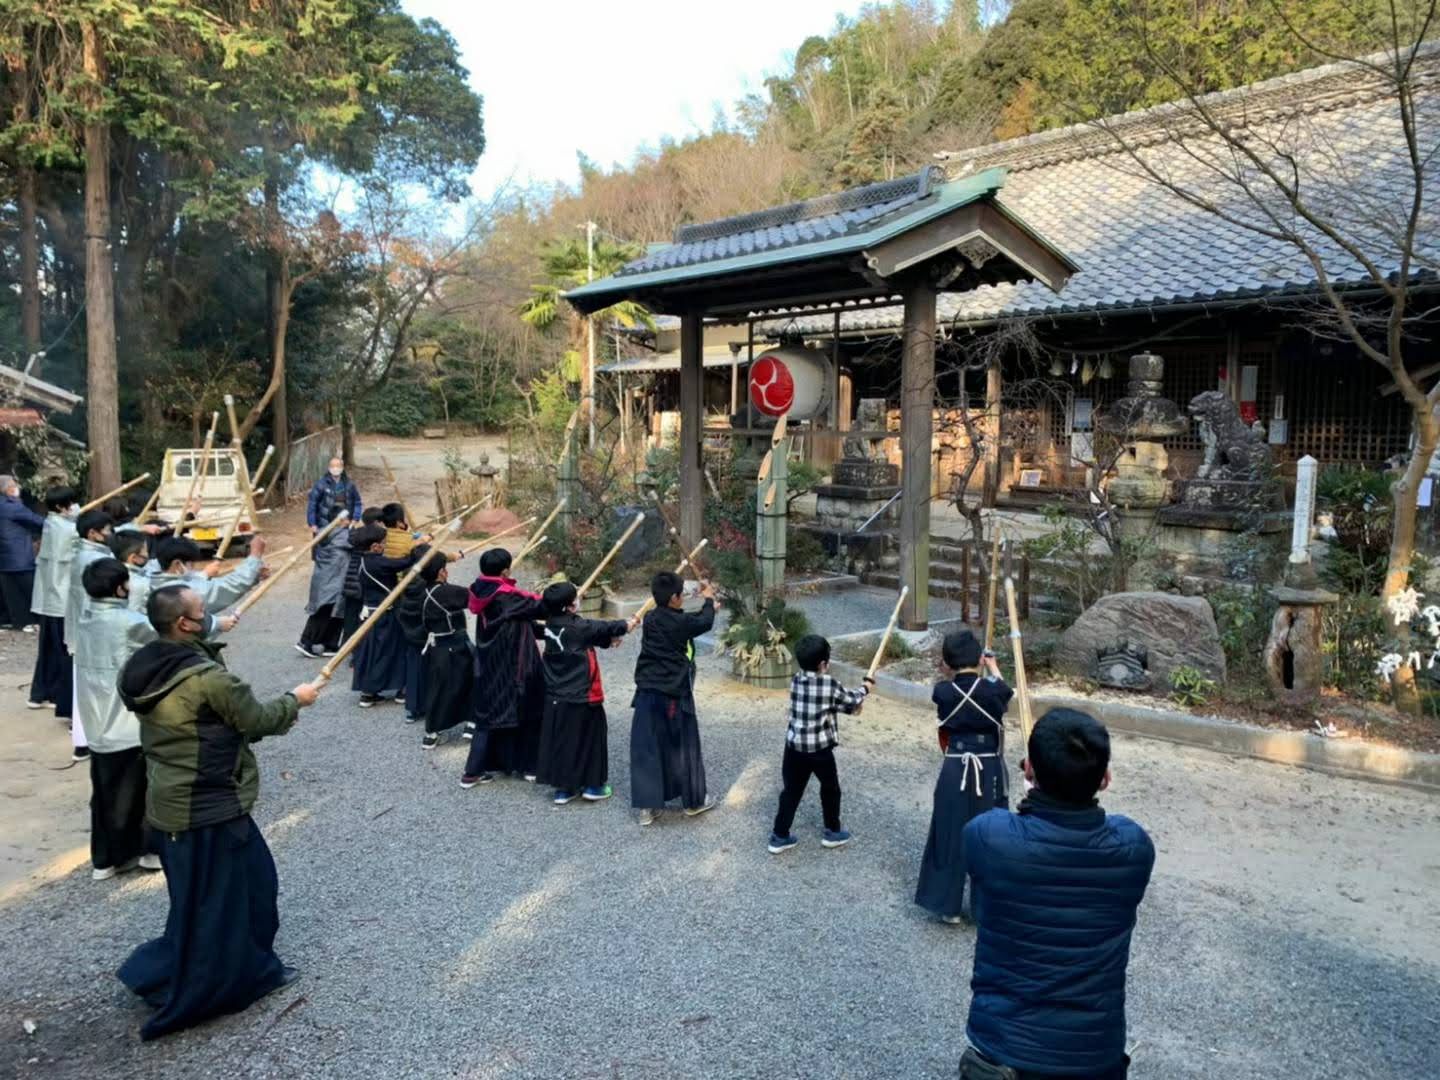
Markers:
(1290, 929)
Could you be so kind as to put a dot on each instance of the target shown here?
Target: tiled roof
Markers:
(824, 218)
(1139, 245)
(829, 227)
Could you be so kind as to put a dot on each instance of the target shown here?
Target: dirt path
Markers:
(417, 464)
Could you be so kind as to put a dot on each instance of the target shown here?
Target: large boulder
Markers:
(492, 520)
(1178, 631)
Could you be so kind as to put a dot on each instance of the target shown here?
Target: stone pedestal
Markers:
(860, 489)
(1294, 662)
(1195, 540)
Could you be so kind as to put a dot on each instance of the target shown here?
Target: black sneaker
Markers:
(468, 781)
(80, 753)
(430, 741)
(469, 732)
(369, 701)
(303, 650)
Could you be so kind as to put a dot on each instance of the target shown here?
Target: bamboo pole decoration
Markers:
(994, 589)
(1022, 687)
(251, 599)
(764, 470)
(569, 434)
(149, 510)
(688, 560)
(394, 484)
(95, 504)
(198, 469)
(489, 540)
(885, 637)
(260, 470)
(353, 641)
(635, 523)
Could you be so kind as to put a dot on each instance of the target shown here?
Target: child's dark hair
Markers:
(430, 572)
(366, 537)
(370, 515)
(1069, 751)
(170, 549)
(960, 650)
(92, 521)
(811, 651)
(392, 514)
(58, 499)
(138, 499)
(495, 562)
(558, 597)
(119, 510)
(126, 542)
(103, 577)
(665, 585)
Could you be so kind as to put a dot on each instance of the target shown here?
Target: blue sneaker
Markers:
(563, 797)
(838, 838)
(782, 843)
(596, 794)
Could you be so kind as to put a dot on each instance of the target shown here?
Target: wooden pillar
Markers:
(692, 435)
(917, 403)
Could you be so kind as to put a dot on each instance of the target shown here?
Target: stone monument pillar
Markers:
(567, 482)
(1139, 487)
(1294, 663)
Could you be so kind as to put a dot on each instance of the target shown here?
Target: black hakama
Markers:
(117, 807)
(380, 658)
(574, 746)
(665, 758)
(510, 741)
(52, 680)
(972, 780)
(449, 681)
(414, 682)
(217, 954)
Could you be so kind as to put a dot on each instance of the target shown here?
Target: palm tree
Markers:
(567, 264)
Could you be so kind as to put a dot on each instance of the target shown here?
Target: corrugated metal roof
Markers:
(1139, 245)
(670, 361)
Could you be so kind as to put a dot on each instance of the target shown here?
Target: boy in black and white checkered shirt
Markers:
(816, 698)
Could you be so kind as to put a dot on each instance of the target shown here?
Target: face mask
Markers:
(72, 512)
(336, 472)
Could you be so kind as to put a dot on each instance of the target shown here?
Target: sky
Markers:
(609, 77)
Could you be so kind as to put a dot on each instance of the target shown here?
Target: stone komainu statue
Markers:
(1232, 450)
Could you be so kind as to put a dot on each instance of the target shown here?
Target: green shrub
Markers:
(804, 552)
(1355, 633)
(1190, 687)
(1243, 618)
(400, 407)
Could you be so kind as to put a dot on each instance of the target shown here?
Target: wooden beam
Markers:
(692, 435)
(917, 402)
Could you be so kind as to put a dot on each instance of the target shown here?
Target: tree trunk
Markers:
(280, 411)
(29, 266)
(347, 438)
(1406, 493)
(102, 379)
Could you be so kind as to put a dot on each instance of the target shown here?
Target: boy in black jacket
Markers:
(350, 591)
(574, 737)
(665, 758)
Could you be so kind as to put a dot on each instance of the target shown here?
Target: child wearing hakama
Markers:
(973, 779)
(665, 758)
(509, 684)
(380, 659)
(574, 734)
(448, 655)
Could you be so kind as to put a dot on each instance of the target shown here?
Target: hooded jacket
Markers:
(197, 722)
(52, 567)
(666, 663)
(1056, 889)
(19, 528)
(572, 671)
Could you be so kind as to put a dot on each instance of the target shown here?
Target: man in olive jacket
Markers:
(197, 722)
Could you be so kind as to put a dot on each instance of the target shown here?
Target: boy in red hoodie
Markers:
(509, 687)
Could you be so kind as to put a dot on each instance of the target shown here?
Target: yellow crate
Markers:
(205, 534)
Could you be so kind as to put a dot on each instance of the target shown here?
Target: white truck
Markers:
(220, 494)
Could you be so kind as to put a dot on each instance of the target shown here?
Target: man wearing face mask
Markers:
(197, 723)
(332, 493)
(20, 528)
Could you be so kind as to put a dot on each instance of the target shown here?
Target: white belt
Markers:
(971, 768)
(432, 638)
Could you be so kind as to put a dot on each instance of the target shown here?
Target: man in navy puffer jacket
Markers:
(1056, 887)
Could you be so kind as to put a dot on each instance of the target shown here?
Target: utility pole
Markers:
(590, 227)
